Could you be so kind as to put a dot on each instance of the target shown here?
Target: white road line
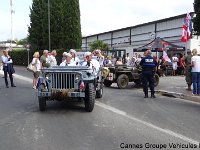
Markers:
(124, 114)
(23, 78)
(166, 131)
(20, 77)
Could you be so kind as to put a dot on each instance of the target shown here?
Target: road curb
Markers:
(179, 95)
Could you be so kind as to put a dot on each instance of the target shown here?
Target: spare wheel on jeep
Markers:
(122, 81)
(89, 97)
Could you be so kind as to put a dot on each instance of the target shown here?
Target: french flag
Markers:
(187, 28)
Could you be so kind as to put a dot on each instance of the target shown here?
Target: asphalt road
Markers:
(120, 117)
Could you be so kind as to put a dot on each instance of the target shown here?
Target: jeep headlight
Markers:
(47, 76)
(77, 76)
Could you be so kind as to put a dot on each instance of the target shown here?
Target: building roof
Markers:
(143, 24)
(8, 41)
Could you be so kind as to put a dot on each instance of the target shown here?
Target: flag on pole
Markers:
(187, 28)
(165, 56)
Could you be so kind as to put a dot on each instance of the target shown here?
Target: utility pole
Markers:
(49, 26)
(11, 21)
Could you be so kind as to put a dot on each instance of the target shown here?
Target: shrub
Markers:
(20, 57)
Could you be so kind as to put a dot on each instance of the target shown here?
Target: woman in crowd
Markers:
(181, 64)
(119, 61)
(37, 64)
(195, 63)
(174, 64)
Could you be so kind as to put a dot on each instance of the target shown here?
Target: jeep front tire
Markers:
(89, 97)
(42, 103)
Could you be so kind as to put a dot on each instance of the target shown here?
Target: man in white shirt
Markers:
(74, 58)
(174, 64)
(68, 61)
(52, 58)
(99, 57)
(128, 59)
(7, 68)
(91, 63)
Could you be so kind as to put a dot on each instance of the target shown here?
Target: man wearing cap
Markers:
(44, 59)
(74, 58)
(68, 61)
(64, 56)
(91, 63)
(149, 65)
(100, 57)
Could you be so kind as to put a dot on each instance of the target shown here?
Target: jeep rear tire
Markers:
(99, 93)
(42, 103)
(107, 83)
(122, 81)
(89, 97)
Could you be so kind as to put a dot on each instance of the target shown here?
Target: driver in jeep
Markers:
(91, 63)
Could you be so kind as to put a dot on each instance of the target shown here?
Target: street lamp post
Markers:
(28, 49)
(49, 26)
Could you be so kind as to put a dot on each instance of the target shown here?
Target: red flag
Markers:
(184, 36)
(165, 56)
(187, 28)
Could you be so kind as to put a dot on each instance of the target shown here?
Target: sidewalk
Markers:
(175, 86)
(172, 86)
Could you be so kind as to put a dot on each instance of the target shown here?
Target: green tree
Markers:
(22, 42)
(65, 24)
(98, 44)
(196, 19)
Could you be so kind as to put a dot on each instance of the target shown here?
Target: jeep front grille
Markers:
(62, 80)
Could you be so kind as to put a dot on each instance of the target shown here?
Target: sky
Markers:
(97, 16)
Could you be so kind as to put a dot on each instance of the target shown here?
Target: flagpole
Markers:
(186, 48)
(49, 25)
(11, 21)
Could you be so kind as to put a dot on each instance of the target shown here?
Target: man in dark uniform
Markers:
(149, 65)
(188, 69)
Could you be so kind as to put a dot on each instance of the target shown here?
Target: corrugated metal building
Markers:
(170, 29)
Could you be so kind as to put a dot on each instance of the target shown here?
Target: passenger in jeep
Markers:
(68, 61)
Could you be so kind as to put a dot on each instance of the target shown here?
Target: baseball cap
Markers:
(68, 54)
(87, 54)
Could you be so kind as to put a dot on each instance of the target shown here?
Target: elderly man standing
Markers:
(52, 58)
(44, 59)
(7, 68)
(149, 65)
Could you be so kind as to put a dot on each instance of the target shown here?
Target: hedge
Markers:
(20, 57)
